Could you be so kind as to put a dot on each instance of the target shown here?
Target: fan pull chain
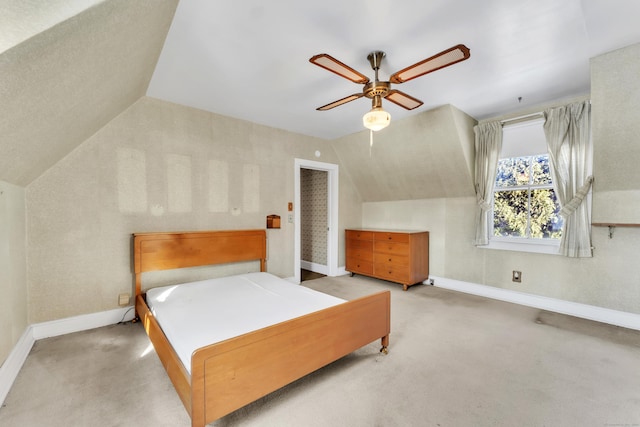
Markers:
(370, 141)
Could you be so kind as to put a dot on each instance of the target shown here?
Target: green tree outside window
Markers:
(525, 204)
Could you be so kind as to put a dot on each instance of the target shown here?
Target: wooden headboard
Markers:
(170, 250)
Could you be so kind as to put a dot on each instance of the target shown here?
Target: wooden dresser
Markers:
(394, 255)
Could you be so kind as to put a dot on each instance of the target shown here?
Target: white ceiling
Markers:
(250, 59)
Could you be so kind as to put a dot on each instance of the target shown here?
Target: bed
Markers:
(229, 373)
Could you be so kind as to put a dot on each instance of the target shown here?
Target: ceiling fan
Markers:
(377, 118)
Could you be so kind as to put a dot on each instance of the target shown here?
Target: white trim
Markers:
(332, 235)
(81, 323)
(312, 266)
(524, 245)
(590, 312)
(12, 365)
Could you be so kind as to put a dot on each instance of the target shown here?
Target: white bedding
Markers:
(200, 313)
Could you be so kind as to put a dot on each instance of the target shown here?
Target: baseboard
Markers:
(12, 365)
(312, 266)
(585, 311)
(82, 322)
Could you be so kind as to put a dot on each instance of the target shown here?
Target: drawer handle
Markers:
(389, 259)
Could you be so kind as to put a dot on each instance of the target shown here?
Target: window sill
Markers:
(549, 248)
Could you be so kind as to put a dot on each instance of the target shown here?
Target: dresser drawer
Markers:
(391, 237)
(395, 259)
(364, 254)
(359, 245)
(390, 247)
(359, 234)
(392, 273)
(355, 265)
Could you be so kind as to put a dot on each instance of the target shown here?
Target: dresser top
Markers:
(387, 230)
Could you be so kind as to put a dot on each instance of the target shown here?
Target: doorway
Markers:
(320, 172)
(314, 220)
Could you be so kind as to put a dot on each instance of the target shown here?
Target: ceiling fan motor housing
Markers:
(376, 88)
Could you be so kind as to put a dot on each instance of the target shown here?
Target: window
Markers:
(524, 203)
(525, 209)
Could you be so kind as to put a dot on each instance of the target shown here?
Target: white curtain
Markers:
(567, 130)
(488, 146)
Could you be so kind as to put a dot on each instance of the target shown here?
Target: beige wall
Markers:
(615, 94)
(606, 280)
(63, 84)
(158, 166)
(425, 148)
(81, 212)
(13, 270)
(609, 279)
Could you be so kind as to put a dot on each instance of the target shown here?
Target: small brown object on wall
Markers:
(273, 221)
(396, 256)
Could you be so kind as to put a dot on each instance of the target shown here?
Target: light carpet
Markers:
(454, 360)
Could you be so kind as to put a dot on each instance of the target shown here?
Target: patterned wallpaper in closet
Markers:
(313, 215)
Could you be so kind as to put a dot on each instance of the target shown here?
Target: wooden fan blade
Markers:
(403, 100)
(330, 63)
(443, 59)
(340, 102)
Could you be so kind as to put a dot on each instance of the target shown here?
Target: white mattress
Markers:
(200, 313)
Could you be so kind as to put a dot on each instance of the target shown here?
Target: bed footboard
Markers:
(231, 374)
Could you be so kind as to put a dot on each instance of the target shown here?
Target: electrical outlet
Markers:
(516, 276)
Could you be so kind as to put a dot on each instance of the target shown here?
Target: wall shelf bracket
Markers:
(612, 226)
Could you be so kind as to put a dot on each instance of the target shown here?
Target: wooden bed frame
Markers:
(233, 373)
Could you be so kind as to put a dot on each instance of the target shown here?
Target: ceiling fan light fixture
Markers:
(376, 119)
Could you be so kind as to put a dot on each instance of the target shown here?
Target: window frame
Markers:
(522, 244)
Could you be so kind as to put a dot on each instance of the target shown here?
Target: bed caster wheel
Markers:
(384, 350)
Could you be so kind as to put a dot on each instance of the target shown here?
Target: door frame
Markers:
(332, 220)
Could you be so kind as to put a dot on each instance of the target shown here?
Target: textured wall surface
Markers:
(68, 81)
(606, 280)
(313, 215)
(429, 155)
(22, 19)
(603, 281)
(13, 268)
(615, 103)
(156, 167)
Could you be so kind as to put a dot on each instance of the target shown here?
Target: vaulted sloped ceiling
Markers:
(428, 155)
(63, 84)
